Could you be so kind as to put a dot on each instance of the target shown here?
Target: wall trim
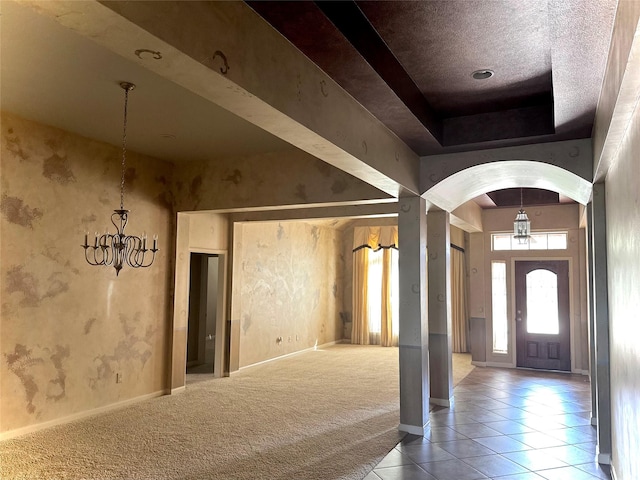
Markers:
(580, 372)
(413, 430)
(478, 364)
(177, 390)
(441, 402)
(500, 365)
(18, 432)
(280, 357)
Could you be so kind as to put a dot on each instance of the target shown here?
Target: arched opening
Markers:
(460, 187)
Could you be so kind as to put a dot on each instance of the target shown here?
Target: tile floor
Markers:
(505, 424)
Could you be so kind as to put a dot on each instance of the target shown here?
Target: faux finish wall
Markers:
(287, 283)
(280, 178)
(623, 250)
(68, 328)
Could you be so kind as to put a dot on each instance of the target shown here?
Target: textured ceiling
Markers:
(410, 64)
(514, 197)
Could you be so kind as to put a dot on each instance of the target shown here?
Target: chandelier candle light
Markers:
(117, 249)
(521, 225)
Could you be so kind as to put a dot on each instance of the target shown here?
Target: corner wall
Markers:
(67, 328)
(623, 263)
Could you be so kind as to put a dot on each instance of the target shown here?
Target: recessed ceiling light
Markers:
(482, 74)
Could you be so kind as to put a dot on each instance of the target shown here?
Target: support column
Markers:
(439, 312)
(413, 349)
(591, 325)
(601, 313)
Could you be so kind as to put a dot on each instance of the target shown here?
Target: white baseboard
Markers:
(500, 365)
(413, 430)
(18, 432)
(442, 402)
(280, 357)
(491, 364)
(580, 372)
(181, 389)
(604, 458)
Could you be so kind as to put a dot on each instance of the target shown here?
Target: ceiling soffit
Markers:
(410, 64)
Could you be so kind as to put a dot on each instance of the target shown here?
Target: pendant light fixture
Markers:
(117, 249)
(521, 225)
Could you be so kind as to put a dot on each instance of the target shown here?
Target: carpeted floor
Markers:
(325, 414)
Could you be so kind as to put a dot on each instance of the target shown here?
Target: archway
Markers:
(460, 187)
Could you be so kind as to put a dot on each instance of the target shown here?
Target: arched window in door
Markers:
(542, 302)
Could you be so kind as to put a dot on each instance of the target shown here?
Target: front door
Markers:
(542, 315)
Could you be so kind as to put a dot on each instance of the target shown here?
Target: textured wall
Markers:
(288, 283)
(623, 250)
(292, 178)
(67, 327)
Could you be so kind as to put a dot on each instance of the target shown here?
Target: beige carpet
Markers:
(326, 414)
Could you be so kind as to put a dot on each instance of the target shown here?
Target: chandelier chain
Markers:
(124, 145)
(520, 198)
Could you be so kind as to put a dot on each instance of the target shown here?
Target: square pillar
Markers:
(439, 312)
(601, 330)
(413, 337)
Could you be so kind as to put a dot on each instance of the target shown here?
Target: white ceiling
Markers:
(54, 76)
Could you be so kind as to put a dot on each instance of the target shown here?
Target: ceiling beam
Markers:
(355, 26)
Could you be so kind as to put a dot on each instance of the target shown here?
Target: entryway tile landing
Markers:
(504, 425)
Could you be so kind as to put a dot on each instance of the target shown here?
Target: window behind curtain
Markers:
(375, 292)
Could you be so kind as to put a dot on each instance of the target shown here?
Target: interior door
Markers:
(542, 315)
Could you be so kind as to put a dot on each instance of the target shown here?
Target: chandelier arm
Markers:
(133, 245)
(91, 261)
(136, 256)
(106, 244)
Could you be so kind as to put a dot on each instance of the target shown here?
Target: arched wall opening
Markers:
(455, 192)
(460, 187)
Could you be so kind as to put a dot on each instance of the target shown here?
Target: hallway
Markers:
(508, 425)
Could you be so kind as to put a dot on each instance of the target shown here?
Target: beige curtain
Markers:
(459, 314)
(360, 325)
(386, 326)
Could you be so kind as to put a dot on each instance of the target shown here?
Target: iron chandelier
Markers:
(119, 249)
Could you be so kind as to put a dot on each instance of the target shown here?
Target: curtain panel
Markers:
(360, 307)
(459, 313)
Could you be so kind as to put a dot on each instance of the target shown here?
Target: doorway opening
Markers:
(204, 329)
(542, 315)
